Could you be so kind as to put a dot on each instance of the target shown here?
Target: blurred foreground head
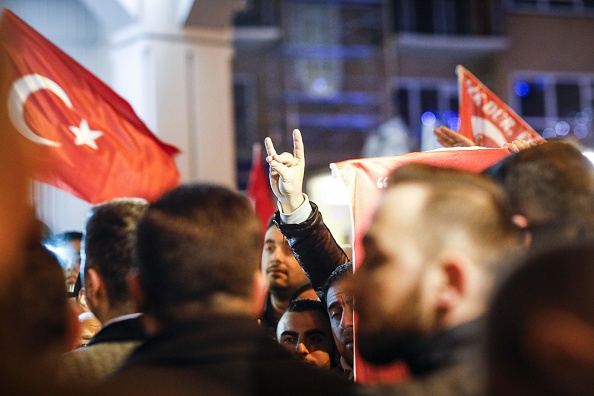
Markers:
(199, 249)
(432, 252)
(540, 328)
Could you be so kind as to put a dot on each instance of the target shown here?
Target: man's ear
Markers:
(521, 222)
(259, 293)
(452, 282)
(93, 286)
(135, 291)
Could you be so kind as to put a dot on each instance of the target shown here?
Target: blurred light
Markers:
(549, 133)
(428, 118)
(582, 118)
(562, 128)
(454, 123)
(319, 85)
(580, 131)
(521, 88)
(589, 155)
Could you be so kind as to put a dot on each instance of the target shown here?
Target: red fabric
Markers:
(365, 179)
(484, 115)
(58, 95)
(258, 189)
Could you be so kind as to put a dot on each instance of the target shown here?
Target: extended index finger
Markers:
(269, 147)
(298, 148)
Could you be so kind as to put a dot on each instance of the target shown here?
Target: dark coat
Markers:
(314, 247)
(220, 356)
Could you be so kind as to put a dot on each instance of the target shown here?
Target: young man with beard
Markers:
(433, 251)
(311, 242)
(284, 277)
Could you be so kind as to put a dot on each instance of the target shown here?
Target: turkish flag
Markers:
(485, 118)
(258, 189)
(87, 140)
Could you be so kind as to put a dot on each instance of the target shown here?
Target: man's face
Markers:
(280, 268)
(69, 257)
(339, 301)
(393, 287)
(307, 334)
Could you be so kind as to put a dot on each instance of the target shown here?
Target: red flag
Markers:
(484, 115)
(87, 139)
(258, 189)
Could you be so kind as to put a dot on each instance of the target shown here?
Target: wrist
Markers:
(292, 204)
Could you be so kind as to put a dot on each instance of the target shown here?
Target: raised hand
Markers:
(286, 173)
(518, 145)
(450, 138)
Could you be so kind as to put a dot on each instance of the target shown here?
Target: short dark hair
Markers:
(306, 304)
(469, 201)
(63, 237)
(550, 182)
(109, 244)
(339, 273)
(196, 241)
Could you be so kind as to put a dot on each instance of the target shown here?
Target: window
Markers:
(562, 6)
(425, 104)
(455, 17)
(555, 104)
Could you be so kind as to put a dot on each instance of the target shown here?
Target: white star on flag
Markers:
(84, 135)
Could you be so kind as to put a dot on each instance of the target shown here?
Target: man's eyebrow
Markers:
(333, 304)
(315, 332)
(289, 332)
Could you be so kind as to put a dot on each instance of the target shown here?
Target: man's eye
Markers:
(336, 314)
(316, 339)
(269, 248)
(288, 340)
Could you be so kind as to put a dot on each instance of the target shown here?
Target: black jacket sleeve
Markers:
(314, 247)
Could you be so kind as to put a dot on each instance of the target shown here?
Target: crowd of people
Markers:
(476, 284)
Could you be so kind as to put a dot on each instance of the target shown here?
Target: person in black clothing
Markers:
(434, 247)
(109, 258)
(312, 244)
(284, 277)
(199, 250)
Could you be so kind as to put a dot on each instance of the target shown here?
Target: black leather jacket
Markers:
(314, 247)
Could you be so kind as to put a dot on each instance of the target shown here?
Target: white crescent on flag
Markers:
(20, 91)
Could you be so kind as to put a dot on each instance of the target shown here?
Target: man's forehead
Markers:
(401, 204)
(302, 321)
(273, 234)
(338, 289)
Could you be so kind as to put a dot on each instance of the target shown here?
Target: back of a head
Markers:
(460, 201)
(195, 243)
(531, 343)
(552, 182)
(36, 314)
(109, 244)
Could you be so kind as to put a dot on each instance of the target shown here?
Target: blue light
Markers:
(521, 88)
(428, 118)
(454, 123)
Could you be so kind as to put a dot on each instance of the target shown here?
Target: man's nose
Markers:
(278, 253)
(347, 317)
(301, 349)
